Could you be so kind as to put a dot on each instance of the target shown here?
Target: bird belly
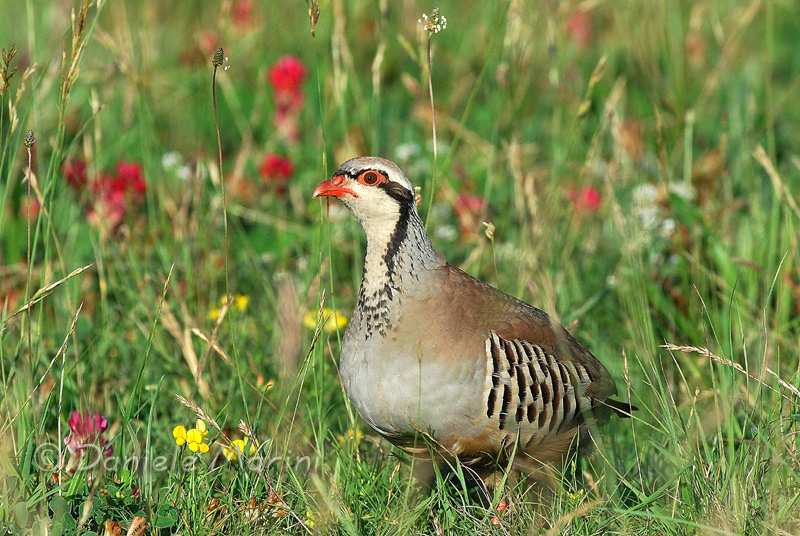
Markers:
(409, 391)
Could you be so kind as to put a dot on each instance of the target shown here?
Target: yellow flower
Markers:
(264, 386)
(240, 446)
(336, 321)
(194, 438)
(309, 519)
(179, 433)
(239, 301)
(200, 425)
(352, 434)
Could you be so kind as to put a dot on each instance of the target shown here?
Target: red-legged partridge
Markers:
(432, 349)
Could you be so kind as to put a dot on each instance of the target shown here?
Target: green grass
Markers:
(682, 115)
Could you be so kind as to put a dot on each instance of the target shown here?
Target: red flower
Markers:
(276, 168)
(580, 28)
(207, 43)
(33, 213)
(286, 78)
(286, 123)
(129, 170)
(468, 209)
(469, 205)
(109, 197)
(586, 199)
(242, 13)
(86, 430)
(115, 195)
(129, 175)
(75, 173)
(287, 105)
(287, 75)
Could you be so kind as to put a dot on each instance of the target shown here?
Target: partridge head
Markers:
(432, 350)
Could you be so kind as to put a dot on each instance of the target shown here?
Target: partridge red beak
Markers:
(333, 187)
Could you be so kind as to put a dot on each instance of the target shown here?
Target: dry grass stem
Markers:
(707, 353)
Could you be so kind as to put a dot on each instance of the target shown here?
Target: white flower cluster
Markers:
(405, 151)
(647, 210)
(172, 161)
(435, 23)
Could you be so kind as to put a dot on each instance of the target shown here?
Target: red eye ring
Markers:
(370, 178)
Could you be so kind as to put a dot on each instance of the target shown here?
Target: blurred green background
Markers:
(638, 166)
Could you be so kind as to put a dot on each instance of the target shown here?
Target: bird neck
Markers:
(396, 258)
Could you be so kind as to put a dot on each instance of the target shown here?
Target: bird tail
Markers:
(606, 408)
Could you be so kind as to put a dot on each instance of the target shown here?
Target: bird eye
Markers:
(370, 178)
